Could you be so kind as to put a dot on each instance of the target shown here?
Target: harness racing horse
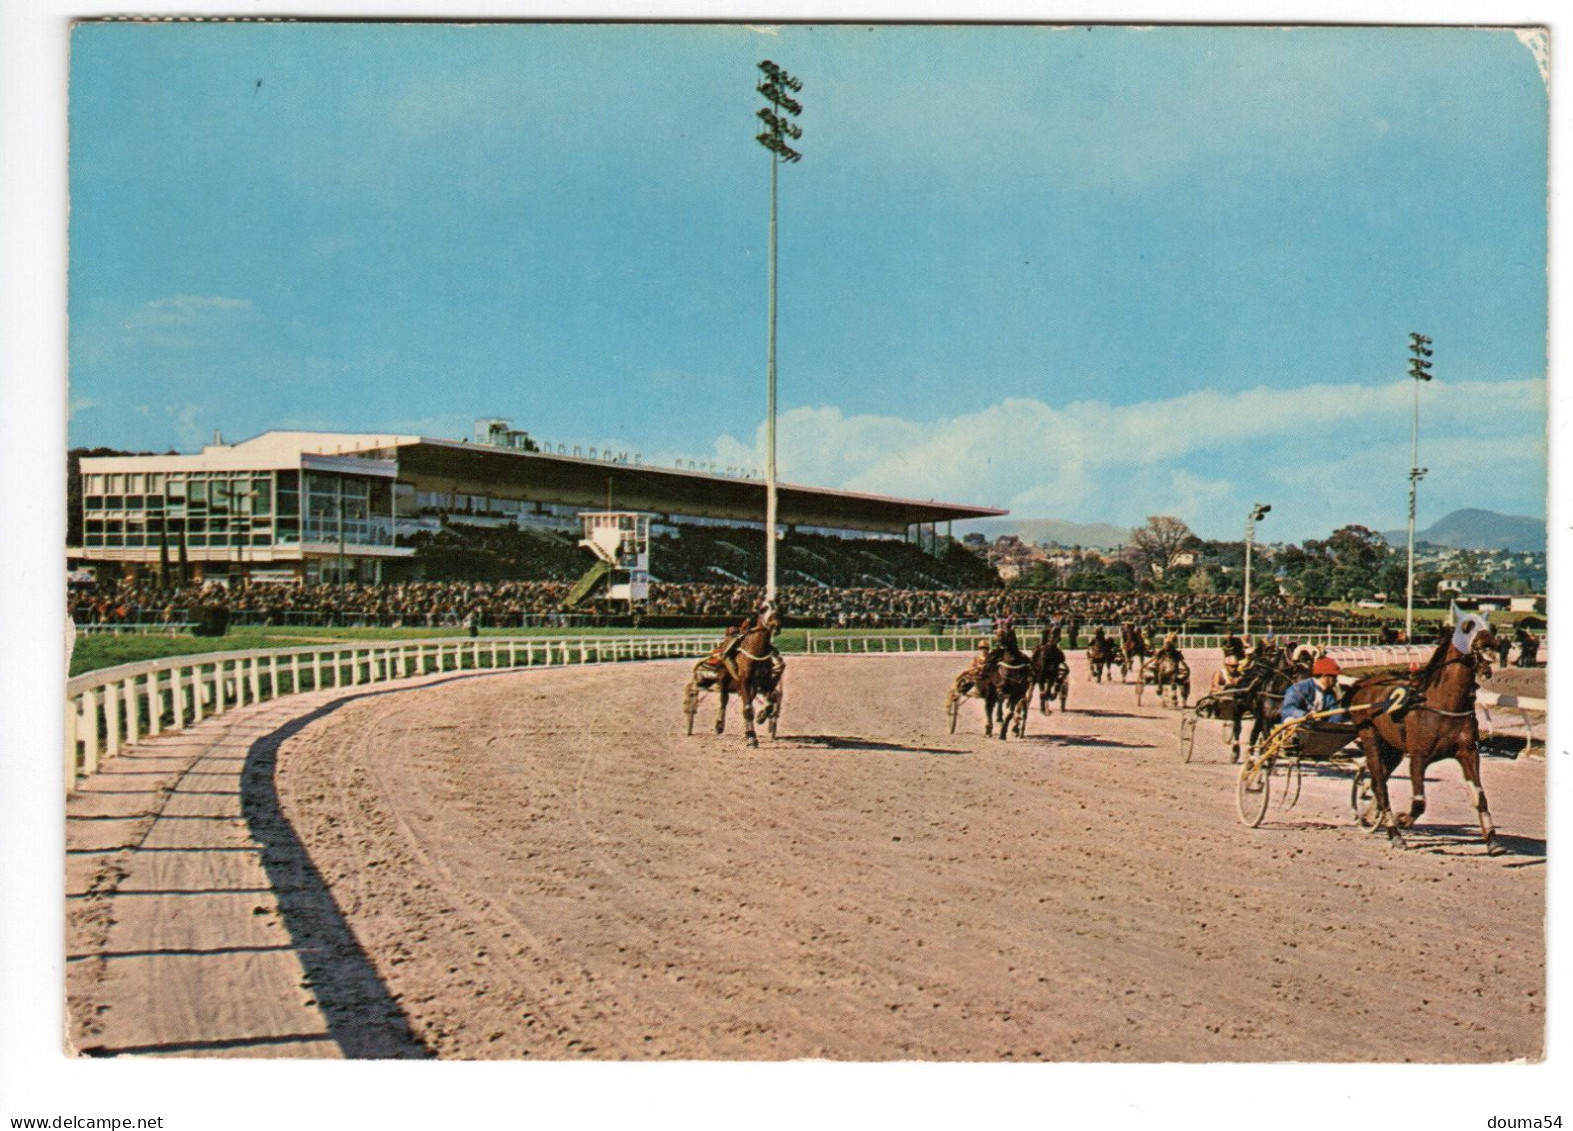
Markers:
(1426, 717)
(1268, 675)
(1008, 687)
(1173, 676)
(1133, 646)
(753, 669)
(1050, 673)
(1100, 655)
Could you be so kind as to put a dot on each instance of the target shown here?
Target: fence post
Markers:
(94, 735)
(155, 703)
(133, 710)
(177, 698)
(112, 704)
(73, 715)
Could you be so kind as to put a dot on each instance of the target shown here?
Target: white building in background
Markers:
(325, 506)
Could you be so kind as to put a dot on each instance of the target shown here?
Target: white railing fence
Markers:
(1379, 655)
(109, 710)
(841, 643)
(138, 628)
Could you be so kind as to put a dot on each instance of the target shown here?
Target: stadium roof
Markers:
(466, 467)
(615, 485)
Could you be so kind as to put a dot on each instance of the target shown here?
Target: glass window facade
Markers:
(233, 510)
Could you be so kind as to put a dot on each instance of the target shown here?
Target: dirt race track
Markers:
(541, 864)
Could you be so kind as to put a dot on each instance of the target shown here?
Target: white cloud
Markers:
(1323, 451)
(183, 320)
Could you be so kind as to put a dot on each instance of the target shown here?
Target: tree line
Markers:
(1353, 563)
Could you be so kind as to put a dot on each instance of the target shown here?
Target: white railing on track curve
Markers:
(111, 709)
(915, 642)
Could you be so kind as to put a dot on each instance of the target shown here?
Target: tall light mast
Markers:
(1419, 369)
(774, 85)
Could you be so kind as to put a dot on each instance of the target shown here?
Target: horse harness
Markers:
(1399, 703)
(776, 662)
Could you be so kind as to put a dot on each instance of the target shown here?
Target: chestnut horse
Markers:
(1427, 716)
(754, 669)
(1173, 676)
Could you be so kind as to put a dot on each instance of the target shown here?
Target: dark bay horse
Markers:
(753, 669)
(1434, 720)
(1133, 644)
(1100, 655)
(1008, 688)
(1050, 672)
(1268, 674)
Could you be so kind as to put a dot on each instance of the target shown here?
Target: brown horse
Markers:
(1427, 716)
(1051, 675)
(1101, 655)
(1009, 689)
(1173, 676)
(753, 669)
(1133, 645)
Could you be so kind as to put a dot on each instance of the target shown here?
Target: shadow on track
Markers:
(1087, 740)
(840, 742)
(362, 1016)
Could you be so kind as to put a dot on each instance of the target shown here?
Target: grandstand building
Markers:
(322, 507)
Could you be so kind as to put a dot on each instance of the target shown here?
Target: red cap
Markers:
(1325, 666)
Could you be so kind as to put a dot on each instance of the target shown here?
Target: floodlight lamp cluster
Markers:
(1419, 367)
(774, 86)
(1260, 511)
(779, 124)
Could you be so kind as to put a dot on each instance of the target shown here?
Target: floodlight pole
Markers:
(770, 406)
(1420, 347)
(1257, 512)
(774, 86)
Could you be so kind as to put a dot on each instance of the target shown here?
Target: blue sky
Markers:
(1086, 273)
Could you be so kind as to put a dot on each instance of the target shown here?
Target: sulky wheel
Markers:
(952, 708)
(1187, 736)
(1254, 790)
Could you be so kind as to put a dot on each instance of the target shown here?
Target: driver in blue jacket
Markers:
(1316, 694)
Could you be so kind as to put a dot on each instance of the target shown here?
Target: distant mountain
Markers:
(1473, 529)
(1093, 535)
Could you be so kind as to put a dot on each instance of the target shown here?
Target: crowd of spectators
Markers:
(506, 604)
(695, 554)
